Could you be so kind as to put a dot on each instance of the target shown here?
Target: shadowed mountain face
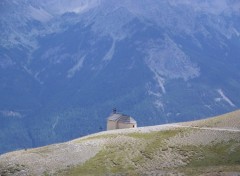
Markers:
(64, 65)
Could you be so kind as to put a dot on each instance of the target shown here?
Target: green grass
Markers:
(127, 157)
(217, 155)
(11, 170)
(154, 141)
(106, 161)
(156, 135)
(212, 158)
(210, 170)
(45, 173)
(121, 157)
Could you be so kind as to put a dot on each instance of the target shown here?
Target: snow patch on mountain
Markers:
(110, 53)
(56, 122)
(160, 81)
(77, 67)
(10, 113)
(158, 104)
(236, 32)
(225, 98)
(55, 55)
(34, 75)
(156, 93)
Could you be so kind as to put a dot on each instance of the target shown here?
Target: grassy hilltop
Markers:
(204, 147)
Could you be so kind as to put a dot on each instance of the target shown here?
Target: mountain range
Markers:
(65, 64)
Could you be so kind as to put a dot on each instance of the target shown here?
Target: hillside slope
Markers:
(205, 147)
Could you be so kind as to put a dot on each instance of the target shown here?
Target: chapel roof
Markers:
(118, 117)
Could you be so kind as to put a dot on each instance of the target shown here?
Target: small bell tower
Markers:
(114, 111)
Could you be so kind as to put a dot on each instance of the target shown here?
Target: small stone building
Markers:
(119, 121)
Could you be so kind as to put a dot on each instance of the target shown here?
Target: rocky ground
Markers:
(206, 147)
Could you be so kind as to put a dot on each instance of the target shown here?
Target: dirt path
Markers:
(206, 128)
